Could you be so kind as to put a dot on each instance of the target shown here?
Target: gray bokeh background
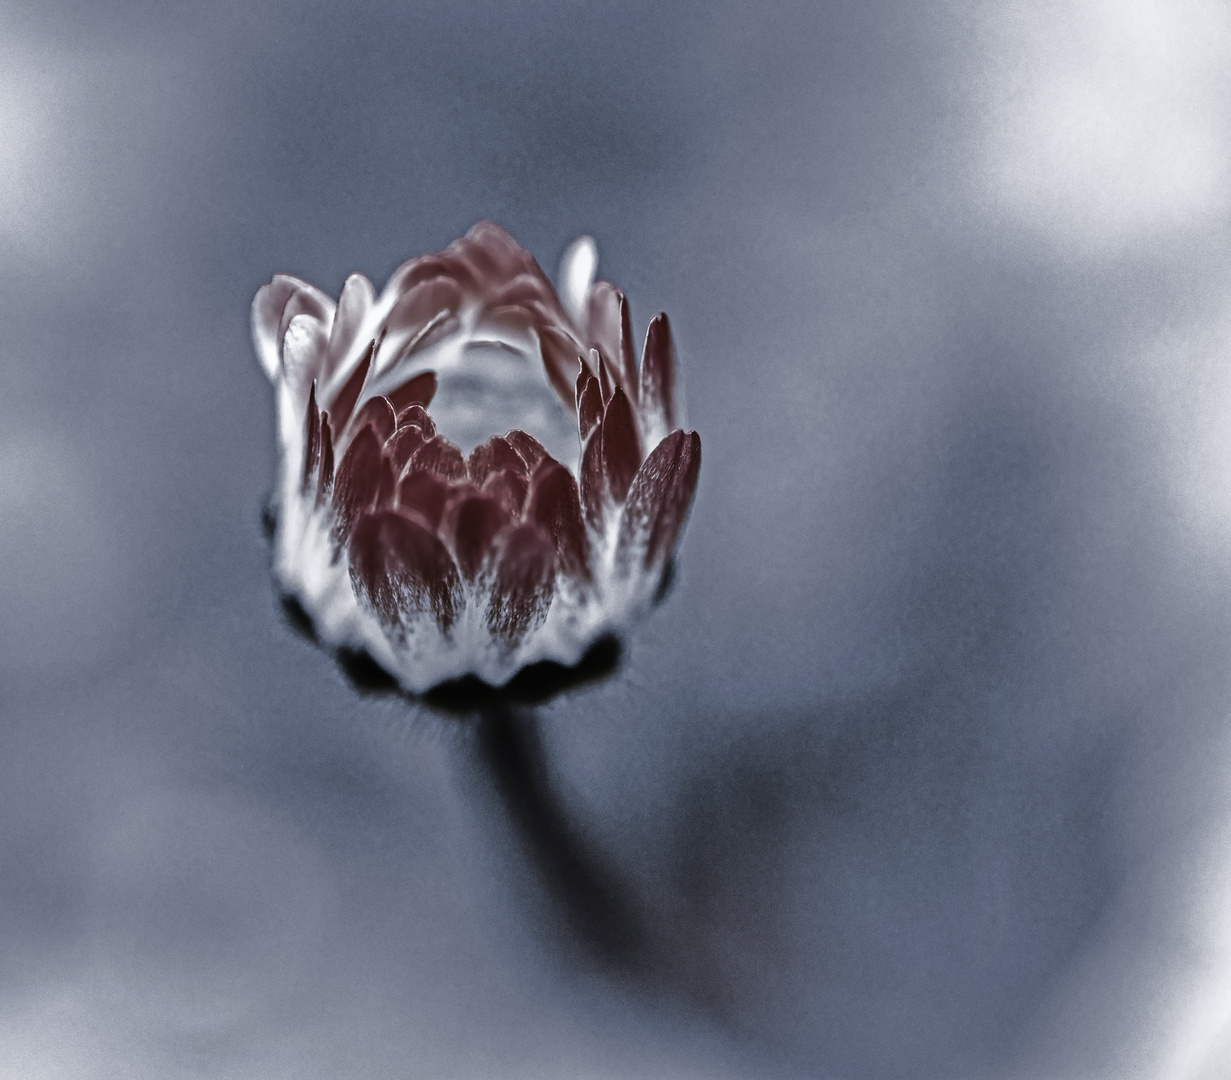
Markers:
(923, 771)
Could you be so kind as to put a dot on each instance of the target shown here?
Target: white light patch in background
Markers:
(35, 151)
(1105, 123)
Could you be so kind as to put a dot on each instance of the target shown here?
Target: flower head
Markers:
(408, 525)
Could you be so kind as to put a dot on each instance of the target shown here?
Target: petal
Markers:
(417, 416)
(658, 373)
(602, 326)
(267, 307)
(523, 585)
(577, 268)
(353, 307)
(402, 444)
(621, 450)
(303, 350)
(324, 482)
(425, 493)
(561, 351)
(418, 309)
(496, 453)
(305, 300)
(555, 507)
(387, 482)
(418, 390)
(470, 524)
(508, 487)
(378, 413)
(358, 481)
(592, 483)
(441, 457)
(589, 404)
(344, 400)
(659, 499)
(606, 383)
(624, 357)
(401, 570)
(530, 449)
(312, 441)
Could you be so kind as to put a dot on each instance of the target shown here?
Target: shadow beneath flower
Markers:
(535, 684)
(595, 906)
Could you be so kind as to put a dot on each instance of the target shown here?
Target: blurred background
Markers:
(923, 771)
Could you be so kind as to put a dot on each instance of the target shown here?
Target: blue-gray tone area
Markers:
(921, 772)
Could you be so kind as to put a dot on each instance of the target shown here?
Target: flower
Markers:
(531, 546)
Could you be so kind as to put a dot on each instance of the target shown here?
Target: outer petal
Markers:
(493, 455)
(353, 307)
(621, 447)
(377, 412)
(589, 404)
(401, 570)
(312, 441)
(344, 400)
(508, 487)
(441, 457)
(417, 390)
(470, 524)
(267, 307)
(358, 481)
(303, 351)
(530, 449)
(425, 493)
(555, 507)
(523, 584)
(658, 375)
(658, 501)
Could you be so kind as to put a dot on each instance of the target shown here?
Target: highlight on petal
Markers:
(409, 527)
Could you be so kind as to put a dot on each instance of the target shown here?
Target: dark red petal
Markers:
(495, 454)
(561, 351)
(401, 569)
(470, 524)
(344, 400)
(402, 444)
(530, 449)
(357, 482)
(589, 405)
(387, 482)
(621, 449)
(419, 307)
(627, 374)
(378, 414)
(324, 482)
(441, 457)
(658, 370)
(418, 390)
(606, 383)
(555, 507)
(523, 585)
(593, 486)
(312, 440)
(659, 499)
(509, 488)
(425, 493)
(416, 416)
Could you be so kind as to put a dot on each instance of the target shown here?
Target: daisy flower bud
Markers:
(476, 474)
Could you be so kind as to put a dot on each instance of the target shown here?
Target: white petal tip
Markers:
(578, 266)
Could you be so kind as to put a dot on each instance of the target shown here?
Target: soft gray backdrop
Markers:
(923, 770)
